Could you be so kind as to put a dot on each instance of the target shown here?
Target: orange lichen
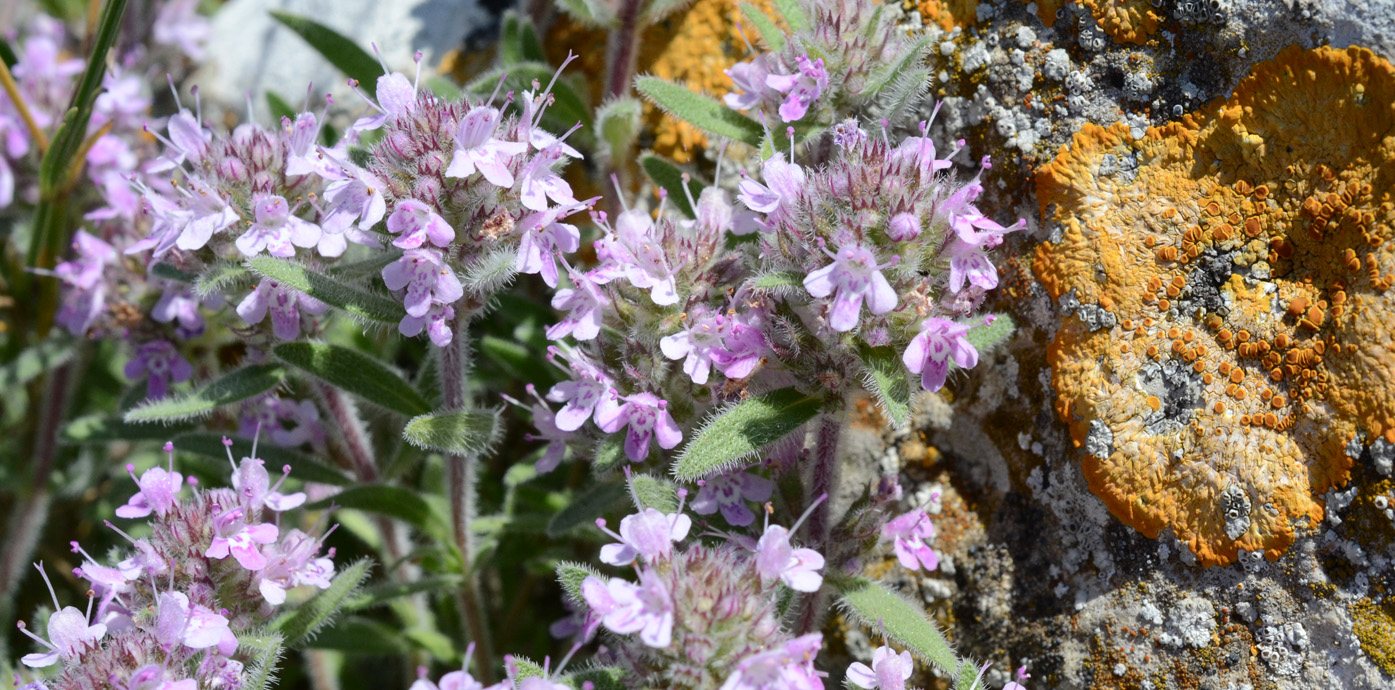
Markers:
(1126, 21)
(948, 14)
(1293, 313)
(1047, 10)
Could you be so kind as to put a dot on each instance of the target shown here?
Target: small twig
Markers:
(12, 89)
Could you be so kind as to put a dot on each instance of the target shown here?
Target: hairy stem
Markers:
(823, 480)
(620, 54)
(461, 473)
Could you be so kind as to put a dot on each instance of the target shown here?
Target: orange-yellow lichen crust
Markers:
(948, 14)
(1237, 267)
(1126, 21)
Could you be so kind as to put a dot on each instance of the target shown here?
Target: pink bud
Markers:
(903, 227)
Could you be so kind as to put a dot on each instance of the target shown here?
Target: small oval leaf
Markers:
(703, 112)
(740, 431)
(361, 304)
(236, 386)
(461, 433)
(356, 373)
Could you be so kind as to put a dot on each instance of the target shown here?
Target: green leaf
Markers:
(301, 626)
(378, 595)
(461, 433)
(654, 492)
(779, 282)
(773, 37)
(7, 54)
(341, 52)
(219, 277)
(33, 361)
(527, 668)
(884, 376)
(279, 107)
(490, 271)
(361, 636)
(889, 73)
(354, 372)
(169, 272)
(236, 386)
(988, 336)
(570, 575)
(792, 13)
(569, 108)
(393, 501)
(265, 651)
(903, 95)
(518, 41)
(903, 621)
(703, 112)
(669, 177)
(101, 429)
(66, 142)
(585, 508)
(618, 124)
(593, 14)
(600, 678)
(740, 431)
(442, 87)
(304, 467)
(361, 304)
(609, 454)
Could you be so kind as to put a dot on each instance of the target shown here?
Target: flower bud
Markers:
(903, 227)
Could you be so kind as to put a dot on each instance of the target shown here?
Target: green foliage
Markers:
(101, 429)
(770, 34)
(618, 124)
(169, 272)
(236, 386)
(600, 678)
(33, 361)
(884, 376)
(265, 650)
(792, 13)
(356, 635)
(654, 492)
(569, 108)
(491, 272)
(306, 468)
(609, 455)
(670, 178)
(301, 625)
(703, 112)
(462, 433)
(570, 575)
(905, 623)
(219, 277)
(279, 107)
(360, 304)
(779, 283)
(518, 41)
(988, 336)
(341, 52)
(356, 373)
(388, 592)
(586, 507)
(739, 432)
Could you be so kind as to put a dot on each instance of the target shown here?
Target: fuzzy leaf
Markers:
(780, 282)
(792, 13)
(771, 34)
(236, 386)
(491, 272)
(355, 372)
(218, 278)
(740, 431)
(903, 94)
(600, 678)
(361, 304)
(462, 433)
(618, 124)
(570, 575)
(527, 668)
(340, 51)
(988, 336)
(654, 492)
(518, 42)
(592, 14)
(701, 111)
(610, 454)
(169, 272)
(361, 636)
(305, 468)
(393, 501)
(378, 595)
(266, 650)
(884, 377)
(306, 621)
(585, 507)
(904, 622)
(33, 361)
(890, 73)
(101, 429)
(669, 177)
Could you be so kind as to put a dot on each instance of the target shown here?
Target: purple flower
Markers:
(152, 677)
(416, 223)
(750, 78)
(588, 386)
(283, 303)
(397, 96)
(790, 667)
(903, 227)
(293, 562)
(801, 88)
(87, 299)
(539, 182)
(889, 670)
(168, 221)
(107, 582)
(930, 351)
(695, 345)
(180, 24)
(785, 180)
(921, 151)
(909, 533)
(177, 302)
(645, 414)
(634, 252)
(232, 535)
(159, 490)
(354, 196)
(743, 346)
(477, 149)
(648, 534)
(253, 485)
(178, 622)
(162, 364)
(436, 322)
(777, 560)
(974, 234)
(729, 493)
(584, 304)
(544, 238)
(276, 230)
(207, 214)
(625, 608)
(69, 635)
(546, 423)
(853, 275)
(427, 279)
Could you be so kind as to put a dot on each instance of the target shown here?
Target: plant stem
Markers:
(12, 90)
(823, 480)
(461, 476)
(620, 56)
